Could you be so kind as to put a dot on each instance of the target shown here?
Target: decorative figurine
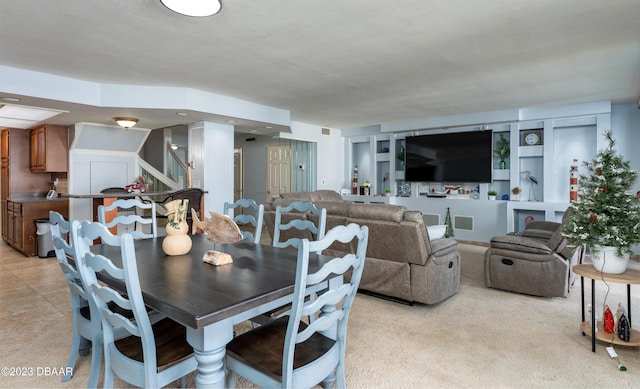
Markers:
(218, 229)
(623, 328)
(607, 320)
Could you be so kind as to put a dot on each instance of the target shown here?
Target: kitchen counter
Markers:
(24, 200)
(114, 195)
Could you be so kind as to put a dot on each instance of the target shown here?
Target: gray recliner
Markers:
(536, 261)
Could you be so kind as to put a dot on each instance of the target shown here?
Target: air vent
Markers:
(326, 131)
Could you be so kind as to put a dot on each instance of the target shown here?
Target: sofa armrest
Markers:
(443, 246)
(542, 225)
(520, 244)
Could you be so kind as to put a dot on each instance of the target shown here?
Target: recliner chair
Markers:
(536, 261)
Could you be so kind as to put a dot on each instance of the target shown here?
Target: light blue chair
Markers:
(141, 222)
(288, 353)
(135, 359)
(286, 219)
(86, 333)
(254, 217)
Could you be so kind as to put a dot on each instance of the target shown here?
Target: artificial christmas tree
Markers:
(606, 213)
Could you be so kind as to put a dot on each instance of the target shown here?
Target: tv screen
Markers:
(451, 157)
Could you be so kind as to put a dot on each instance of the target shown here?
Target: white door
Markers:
(278, 170)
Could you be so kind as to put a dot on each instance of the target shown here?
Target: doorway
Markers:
(278, 170)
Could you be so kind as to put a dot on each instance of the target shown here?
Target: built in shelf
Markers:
(634, 338)
(530, 151)
(382, 157)
(500, 174)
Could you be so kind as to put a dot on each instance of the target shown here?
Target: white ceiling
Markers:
(334, 63)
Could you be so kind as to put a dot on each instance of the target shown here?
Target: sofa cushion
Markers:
(328, 195)
(335, 208)
(300, 196)
(386, 212)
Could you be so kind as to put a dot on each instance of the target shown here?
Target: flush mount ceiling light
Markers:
(20, 116)
(126, 123)
(198, 8)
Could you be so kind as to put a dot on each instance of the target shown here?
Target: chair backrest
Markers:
(63, 250)
(144, 215)
(300, 224)
(333, 305)
(111, 304)
(194, 195)
(254, 217)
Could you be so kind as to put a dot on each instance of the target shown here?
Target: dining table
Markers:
(209, 300)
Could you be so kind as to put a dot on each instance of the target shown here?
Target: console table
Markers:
(631, 276)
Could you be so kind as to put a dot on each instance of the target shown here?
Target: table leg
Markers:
(593, 315)
(629, 304)
(582, 297)
(209, 346)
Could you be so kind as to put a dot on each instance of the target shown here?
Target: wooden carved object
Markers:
(218, 228)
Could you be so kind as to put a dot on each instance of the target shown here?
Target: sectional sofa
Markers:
(402, 262)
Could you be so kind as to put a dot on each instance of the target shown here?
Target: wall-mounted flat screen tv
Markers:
(452, 157)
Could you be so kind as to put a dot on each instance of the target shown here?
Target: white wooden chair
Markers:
(86, 333)
(288, 353)
(140, 222)
(254, 217)
(153, 355)
(286, 220)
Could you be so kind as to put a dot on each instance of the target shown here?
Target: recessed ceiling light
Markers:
(182, 114)
(253, 131)
(268, 127)
(10, 99)
(197, 8)
(231, 121)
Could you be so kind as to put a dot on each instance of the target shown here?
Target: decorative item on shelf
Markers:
(365, 188)
(447, 221)
(404, 190)
(502, 151)
(532, 138)
(623, 328)
(492, 194)
(354, 181)
(532, 181)
(573, 181)
(607, 321)
(516, 191)
(400, 156)
(505, 197)
(218, 229)
(387, 192)
(177, 241)
(606, 212)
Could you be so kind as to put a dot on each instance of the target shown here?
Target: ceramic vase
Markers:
(606, 260)
(177, 241)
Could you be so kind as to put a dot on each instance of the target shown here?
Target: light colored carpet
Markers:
(478, 338)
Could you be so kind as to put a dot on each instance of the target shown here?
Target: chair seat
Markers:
(171, 344)
(262, 348)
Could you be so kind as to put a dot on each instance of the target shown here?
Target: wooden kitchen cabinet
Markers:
(49, 149)
(17, 179)
(21, 221)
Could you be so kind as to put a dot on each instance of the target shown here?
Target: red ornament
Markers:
(599, 171)
(607, 323)
(593, 218)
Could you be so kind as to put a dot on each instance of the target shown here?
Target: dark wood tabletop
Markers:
(198, 294)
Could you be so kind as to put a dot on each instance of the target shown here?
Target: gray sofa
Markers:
(536, 261)
(401, 260)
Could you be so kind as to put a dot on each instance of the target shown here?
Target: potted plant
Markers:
(502, 151)
(492, 194)
(387, 192)
(606, 216)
